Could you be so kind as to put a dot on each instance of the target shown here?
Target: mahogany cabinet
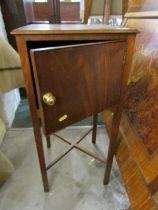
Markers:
(72, 72)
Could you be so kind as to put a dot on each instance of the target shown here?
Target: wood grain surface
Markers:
(81, 72)
(141, 106)
(137, 155)
(72, 29)
(142, 5)
(85, 78)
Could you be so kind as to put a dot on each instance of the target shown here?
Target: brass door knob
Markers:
(49, 99)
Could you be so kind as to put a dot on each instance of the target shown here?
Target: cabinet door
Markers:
(74, 82)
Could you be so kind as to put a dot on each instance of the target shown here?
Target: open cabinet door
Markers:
(74, 82)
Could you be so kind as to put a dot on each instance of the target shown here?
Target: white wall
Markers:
(8, 101)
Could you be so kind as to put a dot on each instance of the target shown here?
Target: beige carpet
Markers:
(6, 168)
(75, 182)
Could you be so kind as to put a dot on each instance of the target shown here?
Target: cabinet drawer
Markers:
(76, 81)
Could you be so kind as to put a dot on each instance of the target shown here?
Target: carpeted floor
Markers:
(75, 182)
(23, 118)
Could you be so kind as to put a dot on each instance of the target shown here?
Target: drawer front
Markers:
(74, 82)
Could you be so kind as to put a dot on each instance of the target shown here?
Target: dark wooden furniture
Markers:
(54, 11)
(14, 16)
(137, 154)
(107, 11)
(72, 72)
(87, 11)
(125, 4)
(69, 11)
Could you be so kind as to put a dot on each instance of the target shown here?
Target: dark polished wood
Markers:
(125, 4)
(84, 76)
(48, 141)
(76, 146)
(107, 11)
(95, 119)
(29, 12)
(137, 153)
(77, 67)
(78, 29)
(54, 11)
(143, 6)
(87, 12)
(118, 111)
(69, 11)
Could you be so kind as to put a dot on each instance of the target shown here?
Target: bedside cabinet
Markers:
(72, 72)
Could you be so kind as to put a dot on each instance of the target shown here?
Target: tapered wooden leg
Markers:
(119, 109)
(41, 157)
(113, 144)
(31, 94)
(94, 133)
(48, 142)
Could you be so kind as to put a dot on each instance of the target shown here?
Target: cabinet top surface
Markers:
(71, 29)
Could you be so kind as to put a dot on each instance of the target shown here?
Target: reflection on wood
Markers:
(69, 11)
(87, 11)
(142, 102)
(107, 11)
(124, 6)
(137, 154)
(143, 5)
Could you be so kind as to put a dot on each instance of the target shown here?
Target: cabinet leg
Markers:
(118, 112)
(113, 144)
(41, 157)
(48, 142)
(94, 133)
